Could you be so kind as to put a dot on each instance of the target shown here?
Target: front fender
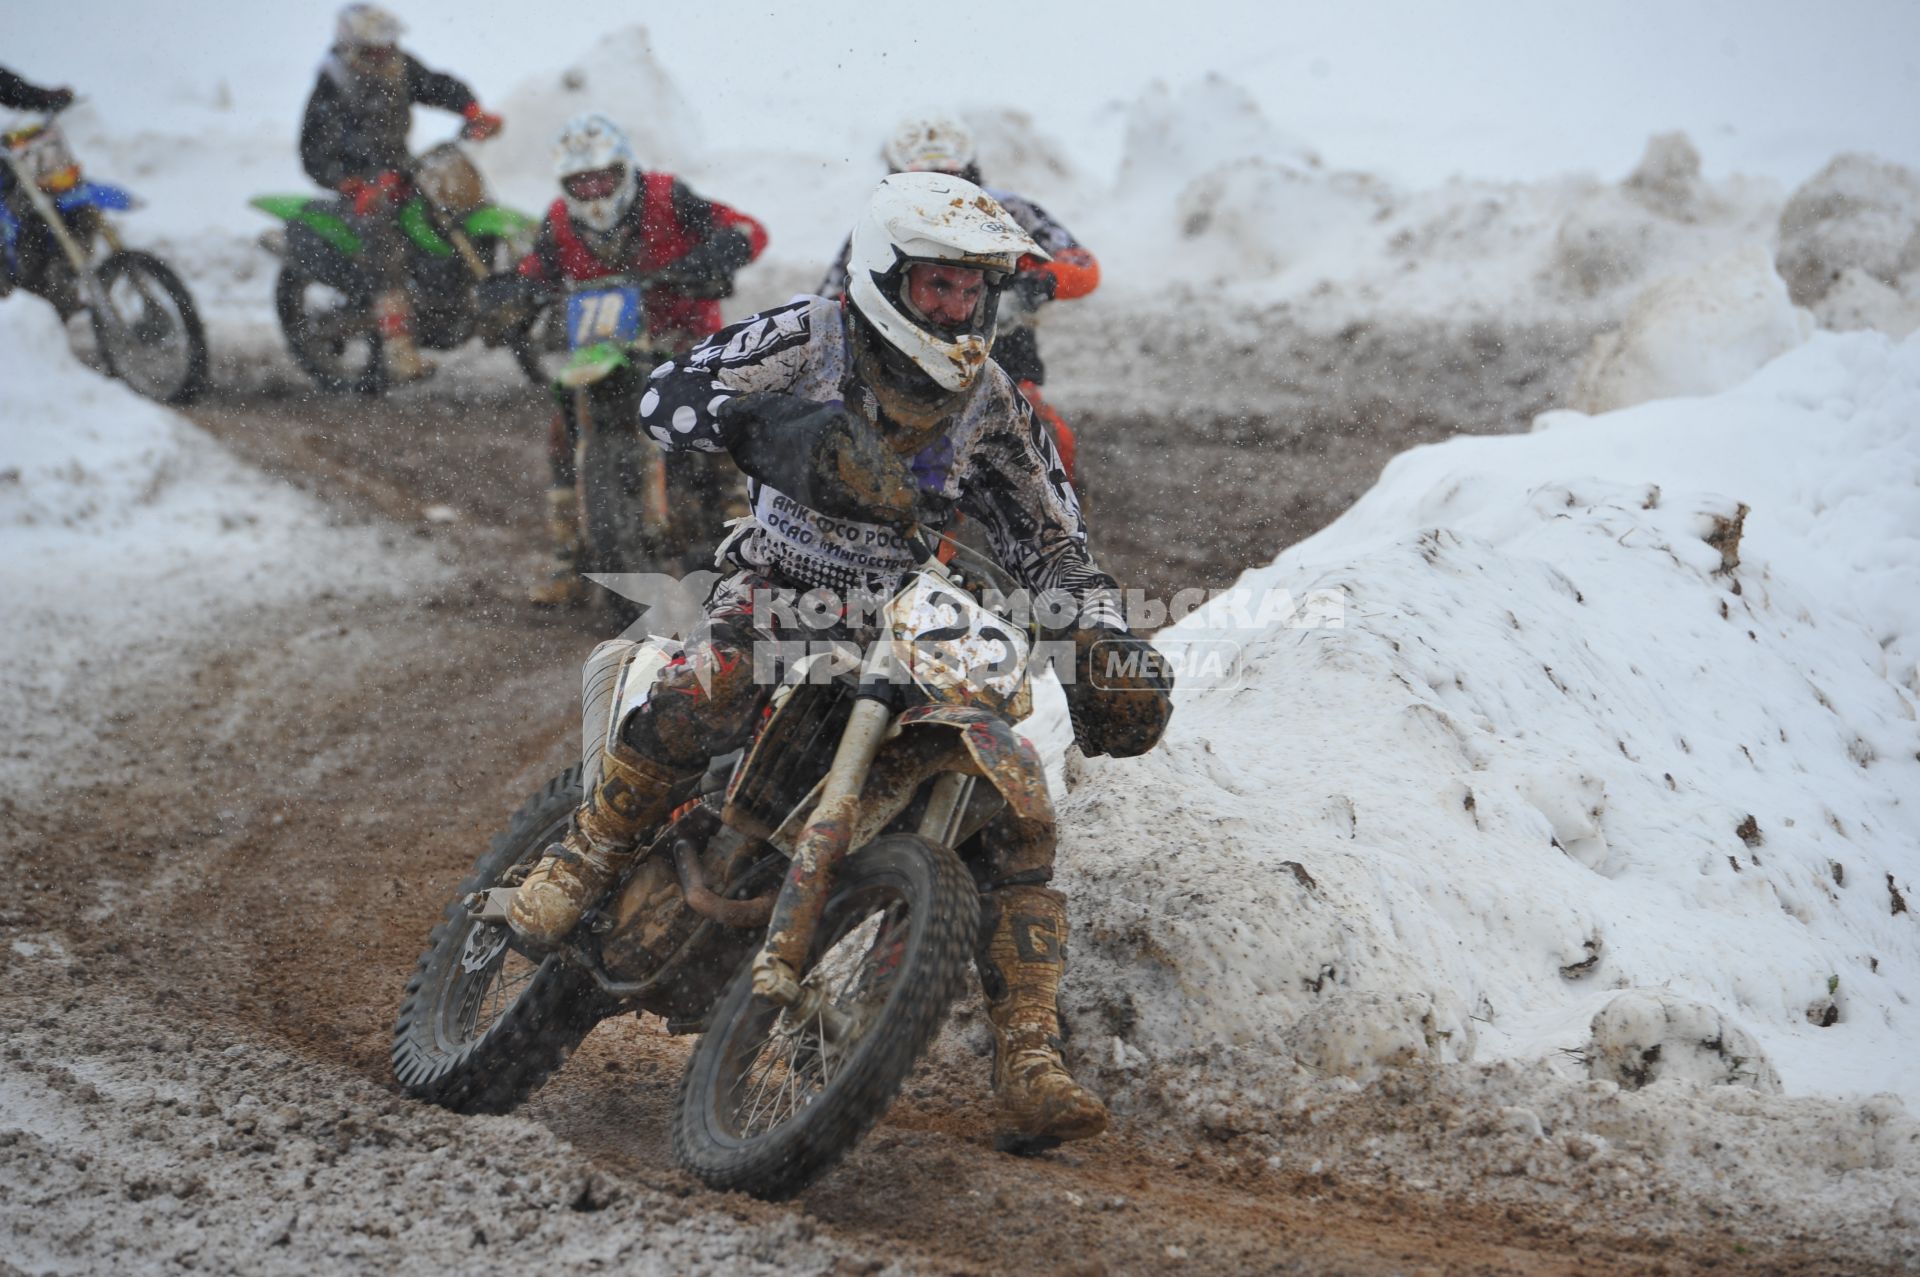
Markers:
(115, 199)
(1001, 756)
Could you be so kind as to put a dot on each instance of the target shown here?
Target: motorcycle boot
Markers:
(1022, 954)
(393, 311)
(563, 586)
(625, 795)
(630, 795)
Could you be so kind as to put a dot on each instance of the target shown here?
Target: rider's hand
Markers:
(59, 99)
(1034, 287)
(1121, 695)
(824, 457)
(481, 124)
(377, 195)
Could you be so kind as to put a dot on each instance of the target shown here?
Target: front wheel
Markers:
(147, 328)
(483, 1026)
(774, 1097)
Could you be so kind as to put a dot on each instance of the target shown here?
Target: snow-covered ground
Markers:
(125, 530)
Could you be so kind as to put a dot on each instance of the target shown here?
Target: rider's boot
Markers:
(1022, 953)
(393, 310)
(563, 586)
(629, 796)
(626, 794)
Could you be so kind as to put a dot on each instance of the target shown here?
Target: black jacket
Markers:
(344, 134)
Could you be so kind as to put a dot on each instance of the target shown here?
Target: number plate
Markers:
(44, 154)
(606, 314)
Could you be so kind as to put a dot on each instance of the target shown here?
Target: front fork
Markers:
(822, 845)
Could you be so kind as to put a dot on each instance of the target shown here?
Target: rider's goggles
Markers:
(595, 184)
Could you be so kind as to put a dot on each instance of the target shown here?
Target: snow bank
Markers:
(1856, 212)
(618, 75)
(1624, 705)
(124, 528)
(1850, 245)
(1693, 334)
(1211, 194)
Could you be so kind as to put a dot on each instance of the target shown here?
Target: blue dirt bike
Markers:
(60, 244)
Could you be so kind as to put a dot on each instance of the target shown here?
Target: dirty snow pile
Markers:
(122, 528)
(1613, 765)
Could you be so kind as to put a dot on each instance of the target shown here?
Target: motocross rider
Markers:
(612, 218)
(24, 236)
(1065, 271)
(353, 139)
(851, 418)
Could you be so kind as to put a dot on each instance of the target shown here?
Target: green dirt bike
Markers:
(455, 238)
(641, 509)
(806, 908)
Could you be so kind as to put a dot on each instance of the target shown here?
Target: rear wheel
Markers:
(774, 1097)
(482, 1025)
(147, 328)
(331, 334)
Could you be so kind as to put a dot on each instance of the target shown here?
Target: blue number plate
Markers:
(608, 314)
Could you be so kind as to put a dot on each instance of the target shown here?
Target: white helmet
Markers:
(938, 218)
(597, 171)
(930, 144)
(366, 26)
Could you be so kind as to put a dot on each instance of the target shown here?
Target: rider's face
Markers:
(947, 295)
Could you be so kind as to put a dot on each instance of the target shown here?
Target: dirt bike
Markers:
(454, 238)
(805, 908)
(55, 226)
(641, 510)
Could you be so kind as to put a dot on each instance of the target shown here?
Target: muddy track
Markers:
(260, 847)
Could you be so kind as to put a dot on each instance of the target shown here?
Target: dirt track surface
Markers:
(212, 922)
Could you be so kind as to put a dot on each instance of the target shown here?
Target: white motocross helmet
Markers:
(947, 220)
(597, 170)
(366, 26)
(929, 144)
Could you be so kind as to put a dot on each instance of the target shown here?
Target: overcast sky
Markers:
(1417, 90)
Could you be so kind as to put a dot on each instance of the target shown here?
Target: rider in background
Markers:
(614, 218)
(940, 144)
(353, 139)
(25, 248)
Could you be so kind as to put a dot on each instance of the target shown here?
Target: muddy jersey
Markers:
(992, 459)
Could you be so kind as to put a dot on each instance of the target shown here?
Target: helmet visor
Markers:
(595, 184)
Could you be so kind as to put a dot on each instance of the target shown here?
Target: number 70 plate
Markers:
(607, 314)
